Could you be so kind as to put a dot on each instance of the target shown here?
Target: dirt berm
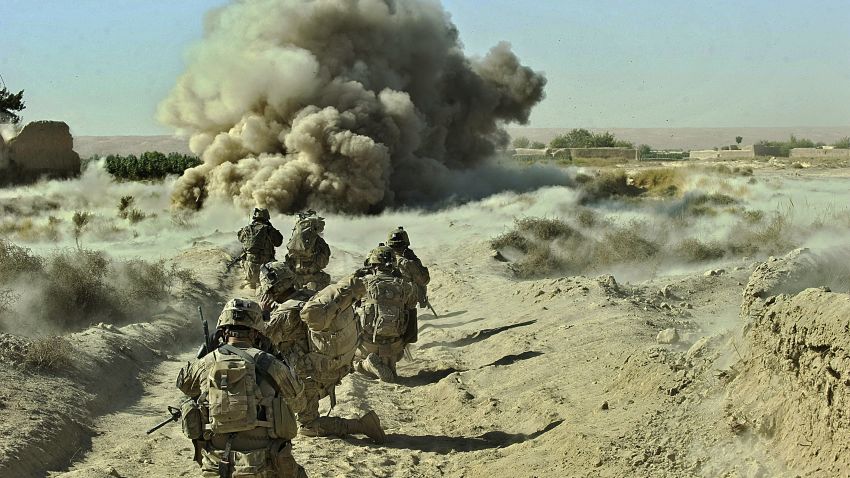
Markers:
(794, 391)
(46, 418)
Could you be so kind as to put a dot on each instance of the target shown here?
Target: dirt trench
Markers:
(555, 377)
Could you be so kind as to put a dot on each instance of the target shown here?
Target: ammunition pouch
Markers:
(283, 421)
(191, 420)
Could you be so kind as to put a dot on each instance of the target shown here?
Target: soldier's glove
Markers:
(362, 272)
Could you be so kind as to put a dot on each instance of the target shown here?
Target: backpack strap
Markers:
(262, 363)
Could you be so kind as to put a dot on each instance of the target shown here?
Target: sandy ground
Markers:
(510, 376)
(554, 377)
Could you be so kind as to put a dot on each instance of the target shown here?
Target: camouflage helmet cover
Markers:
(276, 276)
(241, 312)
(398, 238)
(381, 255)
(261, 214)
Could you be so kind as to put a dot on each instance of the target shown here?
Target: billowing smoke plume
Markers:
(345, 105)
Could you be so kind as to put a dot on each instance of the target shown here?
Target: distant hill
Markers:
(695, 138)
(658, 138)
(87, 146)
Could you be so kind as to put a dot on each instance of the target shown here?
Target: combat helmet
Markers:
(261, 214)
(276, 277)
(241, 313)
(381, 256)
(398, 238)
(310, 220)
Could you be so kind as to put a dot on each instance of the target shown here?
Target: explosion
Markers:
(340, 105)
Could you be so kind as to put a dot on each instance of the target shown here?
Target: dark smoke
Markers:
(344, 105)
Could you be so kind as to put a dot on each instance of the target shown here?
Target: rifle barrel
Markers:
(166, 422)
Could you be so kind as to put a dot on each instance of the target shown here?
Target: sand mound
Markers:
(794, 392)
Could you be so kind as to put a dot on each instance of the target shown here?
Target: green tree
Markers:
(10, 105)
(538, 145)
(577, 138)
(738, 139)
(644, 150)
(521, 142)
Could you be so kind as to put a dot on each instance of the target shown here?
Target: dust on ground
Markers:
(569, 375)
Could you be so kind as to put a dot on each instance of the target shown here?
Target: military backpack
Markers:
(235, 398)
(255, 238)
(383, 309)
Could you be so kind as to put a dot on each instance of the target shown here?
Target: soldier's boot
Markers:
(369, 425)
(375, 366)
(325, 427)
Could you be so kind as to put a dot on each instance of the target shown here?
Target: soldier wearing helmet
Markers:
(307, 253)
(239, 414)
(318, 335)
(259, 240)
(383, 315)
(411, 269)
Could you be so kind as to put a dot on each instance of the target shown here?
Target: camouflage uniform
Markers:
(384, 316)
(411, 269)
(264, 451)
(319, 336)
(259, 240)
(307, 252)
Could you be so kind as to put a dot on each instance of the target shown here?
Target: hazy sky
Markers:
(104, 65)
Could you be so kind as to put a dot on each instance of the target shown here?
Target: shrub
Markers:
(124, 204)
(625, 245)
(74, 288)
(16, 261)
(135, 216)
(521, 142)
(48, 354)
(544, 229)
(80, 220)
(512, 239)
(659, 182)
(587, 217)
(694, 250)
(608, 185)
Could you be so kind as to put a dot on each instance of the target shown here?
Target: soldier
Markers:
(383, 315)
(319, 335)
(239, 414)
(411, 269)
(259, 240)
(307, 252)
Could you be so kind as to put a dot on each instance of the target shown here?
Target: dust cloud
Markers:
(344, 106)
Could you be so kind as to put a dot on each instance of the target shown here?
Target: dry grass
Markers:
(725, 170)
(663, 182)
(625, 245)
(48, 354)
(74, 288)
(607, 185)
(694, 250)
(706, 204)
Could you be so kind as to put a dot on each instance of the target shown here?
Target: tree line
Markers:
(149, 165)
(577, 138)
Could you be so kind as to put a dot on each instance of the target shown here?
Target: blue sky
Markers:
(103, 66)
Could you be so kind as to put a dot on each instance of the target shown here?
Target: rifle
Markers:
(427, 303)
(232, 263)
(175, 416)
(207, 346)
